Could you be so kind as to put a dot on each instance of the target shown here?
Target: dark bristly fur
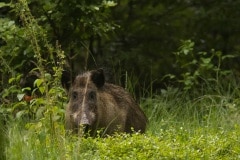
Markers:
(97, 105)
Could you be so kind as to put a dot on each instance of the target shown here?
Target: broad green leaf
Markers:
(11, 80)
(109, 3)
(40, 112)
(206, 60)
(20, 114)
(38, 82)
(228, 56)
(41, 89)
(48, 76)
(2, 4)
(26, 89)
(20, 96)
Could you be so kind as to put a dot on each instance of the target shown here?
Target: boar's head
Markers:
(81, 111)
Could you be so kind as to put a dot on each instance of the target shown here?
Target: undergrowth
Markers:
(172, 143)
(169, 136)
(206, 127)
(201, 123)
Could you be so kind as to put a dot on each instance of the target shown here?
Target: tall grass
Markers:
(3, 137)
(180, 127)
(214, 108)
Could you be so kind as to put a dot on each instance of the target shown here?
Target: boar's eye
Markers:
(92, 95)
(74, 95)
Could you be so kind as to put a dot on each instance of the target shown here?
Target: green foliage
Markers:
(198, 123)
(200, 67)
(45, 25)
(171, 144)
(150, 32)
(206, 128)
(46, 106)
(3, 137)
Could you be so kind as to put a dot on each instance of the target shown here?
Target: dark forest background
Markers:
(154, 43)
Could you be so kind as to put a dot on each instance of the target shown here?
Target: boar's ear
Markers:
(66, 80)
(97, 77)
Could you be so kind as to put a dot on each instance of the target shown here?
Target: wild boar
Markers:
(97, 105)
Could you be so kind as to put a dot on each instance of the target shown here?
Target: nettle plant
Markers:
(198, 67)
(44, 109)
(46, 90)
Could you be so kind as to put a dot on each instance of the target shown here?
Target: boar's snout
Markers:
(82, 123)
(81, 119)
(84, 120)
